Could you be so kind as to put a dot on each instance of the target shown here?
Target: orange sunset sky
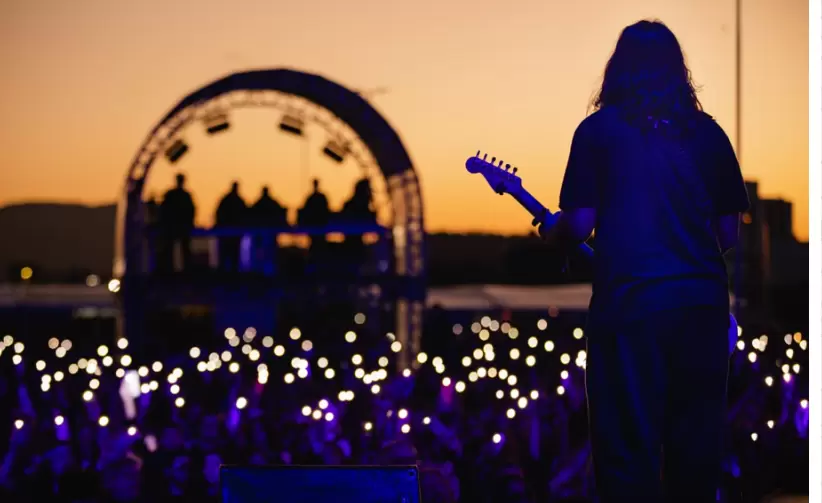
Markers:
(84, 81)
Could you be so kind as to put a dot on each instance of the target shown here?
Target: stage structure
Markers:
(302, 98)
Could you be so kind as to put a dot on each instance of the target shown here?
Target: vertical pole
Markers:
(738, 251)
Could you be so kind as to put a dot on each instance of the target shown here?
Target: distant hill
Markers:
(56, 239)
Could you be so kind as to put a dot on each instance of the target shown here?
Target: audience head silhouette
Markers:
(316, 183)
(265, 190)
(235, 186)
(647, 73)
(181, 180)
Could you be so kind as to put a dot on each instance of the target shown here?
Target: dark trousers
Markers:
(656, 404)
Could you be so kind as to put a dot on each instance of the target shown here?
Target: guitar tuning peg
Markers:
(500, 163)
(507, 167)
(515, 170)
(484, 157)
(493, 160)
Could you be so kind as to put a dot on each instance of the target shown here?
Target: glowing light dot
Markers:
(329, 373)
(770, 424)
(534, 394)
(560, 390)
(58, 420)
(460, 387)
(132, 430)
(174, 389)
(512, 380)
(383, 361)
(754, 436)
(514, 354)
(58, 376)
(803, 403)
(530, 360)
(103, 421)
(542, 324)
(329, 416)
(497, 438)
(511, 413)
(549, 346)
(368, 426)
(88, 396)
(446, 381)
(288, 378)
(241, 403)
(306, 411)
(359, 318)
(350, 337)
(179, 402)
(356, 359)
(422, 357)
(18, 423)
(375, 389)
(522, 402)
(122, 343)
(194, 352)
(234, 367)
(396, 346)
(402, 414)
(769, 381)
(405, 428)
(295, 333)
(125, 360)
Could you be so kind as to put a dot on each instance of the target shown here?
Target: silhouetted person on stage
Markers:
(357, 212)
(660, 182)
(315, 214)
(267, 213)
(232, 214)
(175, 223)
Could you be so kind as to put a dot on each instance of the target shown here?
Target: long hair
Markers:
(647, 76)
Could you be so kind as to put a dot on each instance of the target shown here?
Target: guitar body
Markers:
(505, 181)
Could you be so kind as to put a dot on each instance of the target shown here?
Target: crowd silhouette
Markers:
(247, 233)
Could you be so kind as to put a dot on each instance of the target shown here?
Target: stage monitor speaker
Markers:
(319, 484)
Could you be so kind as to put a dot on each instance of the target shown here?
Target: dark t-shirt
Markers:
(657, 192)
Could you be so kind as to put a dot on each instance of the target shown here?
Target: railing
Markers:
(257, 245)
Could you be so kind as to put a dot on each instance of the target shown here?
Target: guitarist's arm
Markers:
(577, 198)
(572, 228)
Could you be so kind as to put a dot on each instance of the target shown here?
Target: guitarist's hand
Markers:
(547, 229)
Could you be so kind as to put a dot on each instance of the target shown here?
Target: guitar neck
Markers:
(542, 215)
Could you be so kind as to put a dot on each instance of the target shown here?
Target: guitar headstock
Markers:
(500, 177)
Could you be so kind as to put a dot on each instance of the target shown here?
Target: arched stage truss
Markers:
(374, 145)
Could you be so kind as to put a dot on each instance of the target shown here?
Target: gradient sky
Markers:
(84, 81)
